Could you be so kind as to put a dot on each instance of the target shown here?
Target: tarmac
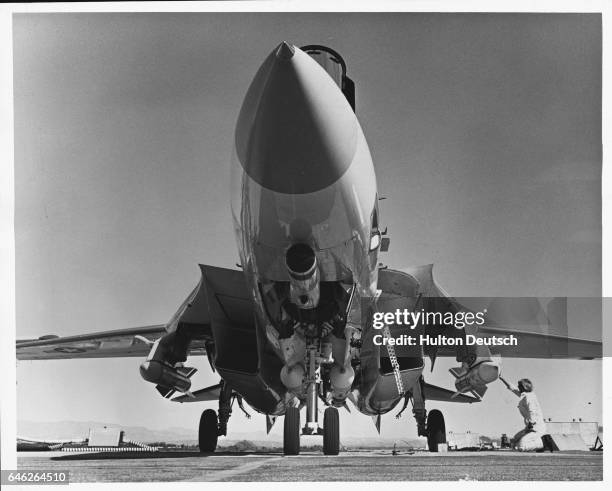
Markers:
(377, 465)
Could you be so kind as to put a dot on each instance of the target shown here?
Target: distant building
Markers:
(101, 439)
(463, 441)
(105, 437)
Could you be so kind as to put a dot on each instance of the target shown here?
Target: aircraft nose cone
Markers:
(296, 132)
(285, 51)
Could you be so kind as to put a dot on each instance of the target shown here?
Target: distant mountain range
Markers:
(80, 429)
(62, 430)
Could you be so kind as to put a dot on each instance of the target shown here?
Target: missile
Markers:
(166, 376)
(293, 377)
(341, 379)
(475, 378)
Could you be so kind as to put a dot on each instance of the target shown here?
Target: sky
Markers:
(485, 131)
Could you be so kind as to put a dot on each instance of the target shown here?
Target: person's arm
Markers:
(510, 387)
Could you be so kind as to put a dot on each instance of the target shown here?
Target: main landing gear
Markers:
(211, 426)
(430, 425)
(209, 431)
(436, 430)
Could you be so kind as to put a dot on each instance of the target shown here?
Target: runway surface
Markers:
(349, 466)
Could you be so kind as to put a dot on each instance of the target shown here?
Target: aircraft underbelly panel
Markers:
(241, 359)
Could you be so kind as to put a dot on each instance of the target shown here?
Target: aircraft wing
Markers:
(543, 345)
(435, 393)
(186, 333)
(211, 393)
(540, 325)
(106, 344)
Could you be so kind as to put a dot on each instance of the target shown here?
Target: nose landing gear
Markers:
(291, 434)
(331, 420)
(331, 432)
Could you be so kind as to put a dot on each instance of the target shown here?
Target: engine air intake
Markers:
(301, 261)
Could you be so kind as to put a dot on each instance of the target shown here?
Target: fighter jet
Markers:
(292, 327)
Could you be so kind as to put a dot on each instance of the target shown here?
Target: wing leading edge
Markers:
(187, 333)
(133, 342)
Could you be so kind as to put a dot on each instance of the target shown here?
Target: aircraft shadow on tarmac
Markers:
(157, 455)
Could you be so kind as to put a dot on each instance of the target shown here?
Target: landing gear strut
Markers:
(225, 408)
(312, 425)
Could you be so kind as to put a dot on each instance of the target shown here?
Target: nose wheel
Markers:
(331, 432)
(291, 433)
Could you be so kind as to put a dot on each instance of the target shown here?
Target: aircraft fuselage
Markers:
(305, 212)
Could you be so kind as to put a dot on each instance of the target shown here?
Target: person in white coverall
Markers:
(530, 437)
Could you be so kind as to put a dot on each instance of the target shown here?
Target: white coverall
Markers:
(530, 437)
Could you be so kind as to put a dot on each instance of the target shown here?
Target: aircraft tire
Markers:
(436, 430)
(291, 433)
(331, 431)
(208, 431)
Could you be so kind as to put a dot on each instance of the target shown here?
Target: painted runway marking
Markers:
(241, 469)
